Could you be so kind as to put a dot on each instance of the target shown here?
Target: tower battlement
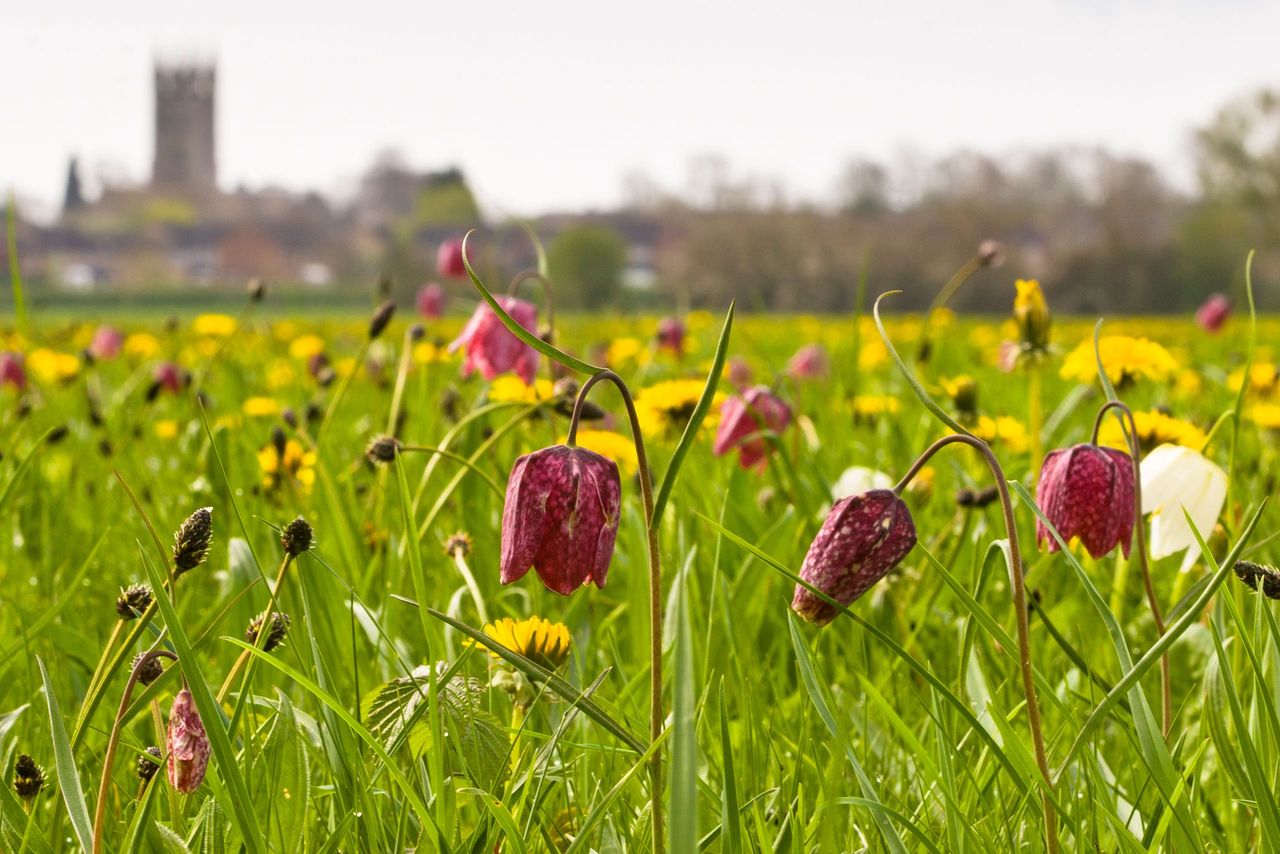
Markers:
(185, 158)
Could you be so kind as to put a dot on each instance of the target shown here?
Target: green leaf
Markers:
(695, 420)
(282, 784)
(551, 352)
(68, 776)
(683, 831)
(730, 820)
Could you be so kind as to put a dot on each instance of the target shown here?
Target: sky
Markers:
(550, 105)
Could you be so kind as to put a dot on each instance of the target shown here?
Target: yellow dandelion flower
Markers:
(1266, 415)
(259, 407)
(304, 347)
(167, 429)
(280, 374)
(612, 445)
(665, 407)
(1126, 359)
(215, 325)
(538, 640)
(868, 407)
(1008, 433)
(429, 353)
(50, 366)
(511, 389)
(140, 345)
(624, 351)
(295, 466)
(1154, 428)
(1188, 383)
(1263, 378)
(873, 354)
(345, 367)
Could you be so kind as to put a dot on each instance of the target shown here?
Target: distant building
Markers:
(185, 158)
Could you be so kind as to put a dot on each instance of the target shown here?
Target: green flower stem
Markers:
(656, 714)
(1020, 611)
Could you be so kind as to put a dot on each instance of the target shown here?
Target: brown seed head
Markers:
(28, 777)
(296, 538)
(133, 600)
(277, 630)
(191, 540)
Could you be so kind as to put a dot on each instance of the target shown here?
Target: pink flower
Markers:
(494, 349)
(743, 418)
(809, 363)
(739, 372)
(106, 343)
(188, 745)
(11, 371)
(863, 537)
(560, 518)
(1213, 313)
(449, 260)
(431, 300)
(671, 335)
(168, 376)
(1087, 492)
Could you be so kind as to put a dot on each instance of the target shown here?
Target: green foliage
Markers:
(586, 263)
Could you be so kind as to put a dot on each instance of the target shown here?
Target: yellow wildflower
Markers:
(304, 347)
(1264, 377)
(665, 407)
(1032, 315)
(1126, 359)
(625, 350)
(1266, 415)
(50, 366)
(280, 374)
(295, 466)
(257, 407)
(1154, 428)
(538, 640)
(429, 353)
(511, 389)
(140, 345)
(1008, 433)
(868, 407)
(167, 429)
(872, 354)
(612, 445)
(216, 325)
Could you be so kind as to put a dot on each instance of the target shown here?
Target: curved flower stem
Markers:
(100, 814)
(964, 274)
(656, 714)
(547, 295)
(1139, 533)
(1019, 607)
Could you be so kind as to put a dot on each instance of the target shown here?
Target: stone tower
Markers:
(185, 159)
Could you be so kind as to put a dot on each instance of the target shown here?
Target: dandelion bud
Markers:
(28, 777)
(1255, 574)
(1088, 492)
(296, 538)
(191, 541)
(459, 544)
(383, 449)
(963, 392)
(257, 289)
(148, 667)
(1032, 315)
(991, 253)
(381, 317)
(743, 418)
(863, 537)
(149, 764)
(188, 744)
(561, 518)
(133, 600)
(276, 631)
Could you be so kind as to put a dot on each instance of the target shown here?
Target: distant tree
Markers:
(586, 263)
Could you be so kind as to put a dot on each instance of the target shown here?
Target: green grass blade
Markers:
(910, 377)
(684, 738)
(730, 820)
(68, 776)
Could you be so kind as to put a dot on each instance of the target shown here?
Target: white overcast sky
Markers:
(549, 104)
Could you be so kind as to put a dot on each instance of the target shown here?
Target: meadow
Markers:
(403, 700)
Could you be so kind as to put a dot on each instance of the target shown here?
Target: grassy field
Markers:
(380, 723)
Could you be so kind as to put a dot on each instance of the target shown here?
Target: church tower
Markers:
(185, 159)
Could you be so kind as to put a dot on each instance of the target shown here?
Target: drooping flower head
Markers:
(561, 517)
(863, 537)
(809, 363)
(492, 348)
(188, 744)
(168, 376)
(11, 371)
(1175, 479)
(738, 371)
(743, 417)
(670, 336)
(1213, 313)
(449, 260)
(431, 300)
(106, 344)
(1087, 492)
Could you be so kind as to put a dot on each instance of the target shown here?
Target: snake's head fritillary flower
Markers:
(188, 744)
(864, 537)
(1213, 313)
(168, 376)
(561, 517)
(671, 335)
(739, 372)
(809, 363)
(12, 371)
(431, 301)
(106, 344)
(743, 417)
(491, 348)
(449, 260)
(1177, 479)
(1087, 492)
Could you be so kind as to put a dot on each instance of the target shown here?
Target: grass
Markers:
(901, 726)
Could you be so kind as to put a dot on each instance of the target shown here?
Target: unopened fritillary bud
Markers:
(191, 540)
(188, 744)
(296, 538)
(133, 600)
(28, 777)
(277, 630)
(149, 763)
